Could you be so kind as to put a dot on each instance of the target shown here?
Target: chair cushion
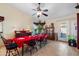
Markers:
(12, 46)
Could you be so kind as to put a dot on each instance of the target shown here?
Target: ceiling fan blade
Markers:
(44, 14)
(34, 9)
(45, 10)
(33, 14)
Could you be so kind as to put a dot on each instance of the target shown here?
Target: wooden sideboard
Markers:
(22, 33)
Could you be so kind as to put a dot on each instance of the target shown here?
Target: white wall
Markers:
(70, 20)
(14, 19)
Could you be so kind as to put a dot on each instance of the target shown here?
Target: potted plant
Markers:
(40, 28)
(71, 40)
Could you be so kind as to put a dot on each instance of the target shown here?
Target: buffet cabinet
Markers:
(22, 33)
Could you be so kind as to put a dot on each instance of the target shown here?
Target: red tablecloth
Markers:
(21, 40)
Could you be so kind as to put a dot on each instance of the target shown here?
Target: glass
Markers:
(63, 30)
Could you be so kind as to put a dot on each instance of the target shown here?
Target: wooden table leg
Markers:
(40, 44)
(22, 49)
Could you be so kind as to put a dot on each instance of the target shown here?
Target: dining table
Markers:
(25, 40)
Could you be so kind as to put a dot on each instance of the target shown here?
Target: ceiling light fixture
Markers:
(40, 12)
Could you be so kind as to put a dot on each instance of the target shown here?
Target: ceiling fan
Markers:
(39, 11)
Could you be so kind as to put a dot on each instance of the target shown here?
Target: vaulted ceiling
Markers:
(55, 10)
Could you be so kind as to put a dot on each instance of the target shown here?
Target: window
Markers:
(63, 30)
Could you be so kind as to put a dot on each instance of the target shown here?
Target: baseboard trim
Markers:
(63, 41)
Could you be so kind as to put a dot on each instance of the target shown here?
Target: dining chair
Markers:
(10, 47)
(40, 40)
(32, 46)
(45, 38)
